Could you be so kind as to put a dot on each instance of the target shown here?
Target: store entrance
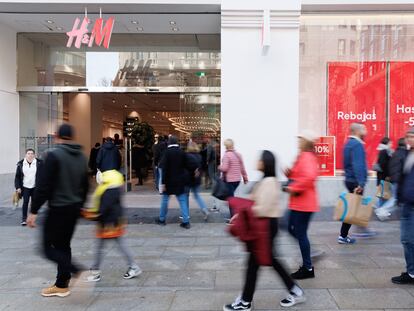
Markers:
(134, 120)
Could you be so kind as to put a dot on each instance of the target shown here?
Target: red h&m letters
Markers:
(100, 33)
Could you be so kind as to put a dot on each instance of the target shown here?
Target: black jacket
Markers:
(108, 157)
(18, 178)
(158, 151)
(406, 186)
(174, 173)
(193, 164)
(110, 208)
(383, 162)
(92, 158)
(396, 164)
(63, 178)
(139, 157)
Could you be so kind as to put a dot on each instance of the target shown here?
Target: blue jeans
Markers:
(196, 191)
(182, 200)
(298, 227)
(407, 236)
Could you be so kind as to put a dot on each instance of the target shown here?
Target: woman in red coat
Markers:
(303, 200)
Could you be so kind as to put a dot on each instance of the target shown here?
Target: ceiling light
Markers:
(201, 65)
(135, 22)
(175, 29)
(173, 23)
(59, 28)
(49, 21)
(140, 29)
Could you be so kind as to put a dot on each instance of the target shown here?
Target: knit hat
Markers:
(65, 132)
(308, 135)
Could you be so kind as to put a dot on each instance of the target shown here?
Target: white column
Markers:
(9, 102)
(260, 82)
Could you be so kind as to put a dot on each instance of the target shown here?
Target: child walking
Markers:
(108, 212)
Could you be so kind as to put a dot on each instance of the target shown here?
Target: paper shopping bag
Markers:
(354, 209)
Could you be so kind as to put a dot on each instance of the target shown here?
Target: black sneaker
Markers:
(303, 273)
(23, 223)
(238, 304)
(404, 278)
(185, 225)
(160, 222)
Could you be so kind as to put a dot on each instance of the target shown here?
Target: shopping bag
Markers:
(16, 198)
(384, 190)
(354, 209)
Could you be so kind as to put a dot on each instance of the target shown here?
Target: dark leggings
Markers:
(253, 267)
(346, 227)
(298, 228)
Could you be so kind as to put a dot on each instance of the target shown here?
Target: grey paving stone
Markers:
(34, 301)
(331, 278)
(179, 279)
(215, 264)
(201, 300)
(372, 250)
(234, 280)
(206, 241)
(190, 252)
(139, 251)
(373, 298)
(238, 250)
(139, 300)
(150, 265)
(345, 261)
(376, 278)
(170, 241)
(389, 261)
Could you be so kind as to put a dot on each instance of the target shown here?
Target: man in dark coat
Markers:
(109, 157)
(139, 162)
(63, 183)
(92, 158)
(174, 178)
(158, 150)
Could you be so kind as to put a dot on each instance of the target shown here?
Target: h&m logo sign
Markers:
(101, 33)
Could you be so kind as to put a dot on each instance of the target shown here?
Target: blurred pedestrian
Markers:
(158, 149)
(92, 158)
(356, 176)
(406, 197)
(383, 174)
(111, 223)
(303, 200)
(109, 157)
(266, 197)
(174, 178)
(25, 180)
(232, 168)
(63, 182)
(139, 162)
(194, 167)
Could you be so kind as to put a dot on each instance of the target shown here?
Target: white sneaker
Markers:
(132, 272)
(292, 300)
(95, 276)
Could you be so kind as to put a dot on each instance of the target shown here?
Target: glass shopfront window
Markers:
(44, 60)
(357, 68)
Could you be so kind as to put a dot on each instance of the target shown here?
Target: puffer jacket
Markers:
(252, 230)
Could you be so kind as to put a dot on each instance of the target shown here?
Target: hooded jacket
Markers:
(108, 157)
(384, 157)
(63, 178)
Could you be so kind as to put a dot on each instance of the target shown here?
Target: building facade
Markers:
(255, 71)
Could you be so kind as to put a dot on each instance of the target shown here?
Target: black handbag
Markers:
(221, 190)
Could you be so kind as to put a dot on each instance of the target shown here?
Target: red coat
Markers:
(303, 186)
(254, 231)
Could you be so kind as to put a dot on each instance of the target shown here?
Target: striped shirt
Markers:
(233, 167)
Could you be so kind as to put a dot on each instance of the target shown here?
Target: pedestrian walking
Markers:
(266, 197)
(356, 176)
(63, 183)
(194, 167)
(211, 155)
(158, 149)
(303, 200)
(111, 224)
(109, 157)
(92, 158)
(174, 178)
(139, 162)
(25, 180)
(383, 174)
(406, 197)
(232, 168)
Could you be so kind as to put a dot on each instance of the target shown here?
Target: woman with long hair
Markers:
(266, 197)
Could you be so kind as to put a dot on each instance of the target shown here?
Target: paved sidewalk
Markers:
(202, 268)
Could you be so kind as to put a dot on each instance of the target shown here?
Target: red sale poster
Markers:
(357, 93)
(401, 113)
(325, 151)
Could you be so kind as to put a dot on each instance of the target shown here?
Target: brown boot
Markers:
(55, 291)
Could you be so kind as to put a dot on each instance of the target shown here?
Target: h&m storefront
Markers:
(256, 72)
